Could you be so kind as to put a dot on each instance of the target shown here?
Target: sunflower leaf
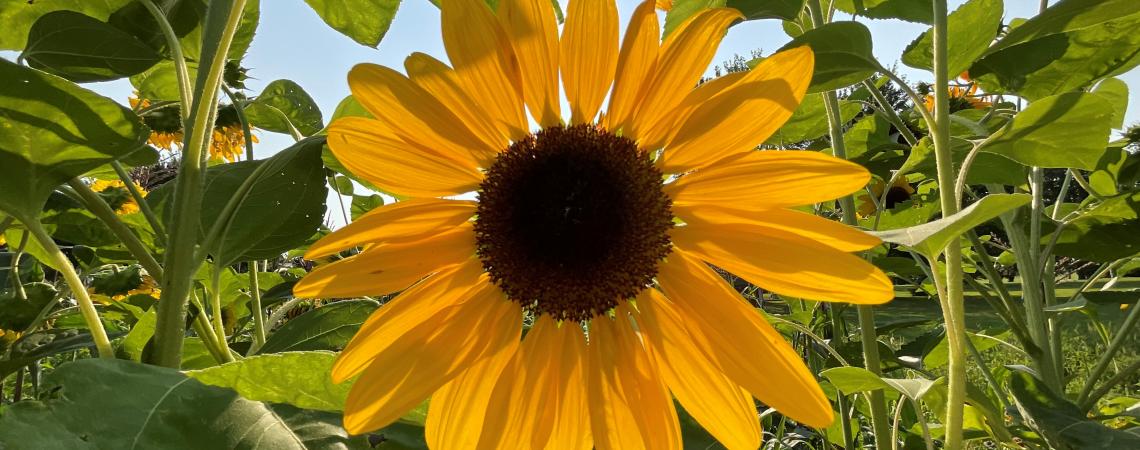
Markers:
(843, 55)
(930, 238)
(1066, 130)
(365, 21)
(300, 379)
(83, 49)
(973, 25)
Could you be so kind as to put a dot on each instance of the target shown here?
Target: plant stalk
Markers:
(180, 70)
(255, 303)
(148, 213)
(1122, 335)
(103, 211)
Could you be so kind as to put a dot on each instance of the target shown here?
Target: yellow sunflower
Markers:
(899, 191)
(228, 139)
(586, 229)
(117, 196)
(962, 97)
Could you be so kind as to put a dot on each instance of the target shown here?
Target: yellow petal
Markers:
(786, 263)
(664, 130)
(572, 421)
(768, 180)
(427, 357)
(369, 150)
(636, 61)
(387, 268)
(744, 115)
(409, 220)
(443, 83)
(413, 114)
(533, 30)
(623, 373)
(456, 413)
(684, 57)
(827, 232)
(744, 346)
(450, 287)
(487, 66)
(721, 406)
(589, 55)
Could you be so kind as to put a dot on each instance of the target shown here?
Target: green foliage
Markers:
(930, 238)
(81, 48)
(300, 379)
(1105, 232)
(20, 312)
(843, 55)
(908, 10)
(326, 328)
(767, 9)
(284, 107)
(973, 25)
(1067, 130)
(365, 21)
(1059, 422)
(19, 16)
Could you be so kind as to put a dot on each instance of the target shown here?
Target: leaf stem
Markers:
(1085, 399)
(14, 268)
(103, 211)
(255, 305)
(180, 70)
(148, 213)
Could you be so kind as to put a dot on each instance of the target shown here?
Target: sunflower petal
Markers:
(745, 347)
(408, 310)
(572, 421)
(721, 406)
(457, 410)
(768, 180)
(636, 61)
(387, 268)
(533, 30)
(684, 57)
(413, 114)
(827, 232)
(664, 130)
(588, 55)
(367, 149)
(786, 263)
(431, 355)
(744, 115)
(443, 83)
(409, 220)
(485, 62)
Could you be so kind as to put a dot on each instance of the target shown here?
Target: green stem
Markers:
(989, 377)
(1092, 398)
(892, 116)
(103, 211)
(86, 307)
(222, 17)
(148, 213)
(14, 270)
(1122, 335)
(216, 305)
(1031, 293)
(258, 311)
(205, 332)
(245, 130)
(180, 70)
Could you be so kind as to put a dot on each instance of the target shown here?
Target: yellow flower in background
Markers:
(899, 191)
(147, 286)
(584, 227)
(228, 139)
(962, 97)
(164, 123)
(117, 196)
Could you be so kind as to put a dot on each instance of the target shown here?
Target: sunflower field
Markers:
(569, 225)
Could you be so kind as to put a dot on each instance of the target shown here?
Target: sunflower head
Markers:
(228, 141)
(117, 196)
(962, 98)
(899, 191)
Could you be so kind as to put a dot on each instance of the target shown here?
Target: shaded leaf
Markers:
(283, 106)
(19, 16)
(19, 313)
(329, 327)
(767, 9)
(843, 55)
(1067, 15)
(1061, 422)
(1107, 232)
(82, 49)
(921, 11)
(973, 26)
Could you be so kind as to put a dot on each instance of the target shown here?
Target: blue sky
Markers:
(292, 42)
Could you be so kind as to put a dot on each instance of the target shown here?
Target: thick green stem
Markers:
(103, 211)
(1122, 335)
(216, 305)
(86, 307)
(222, 18)
(148, 213)
(255, 305)
(180, 70)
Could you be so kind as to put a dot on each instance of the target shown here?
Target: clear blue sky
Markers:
(292, 42)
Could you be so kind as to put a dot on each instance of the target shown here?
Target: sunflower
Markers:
(165, 123)
(899, 191)
(961, 98)
(115, 193)
(598, 231)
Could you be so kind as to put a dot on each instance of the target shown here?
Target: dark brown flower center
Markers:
(572, 220)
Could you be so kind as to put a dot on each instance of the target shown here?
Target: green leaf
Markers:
(921, 11)
(83, 49)
(300, 379)
(20, 313)
(365, 21)
(851, 380)
(54, 131)
(43, 344)
(1115, 92)
(362, 204)
(1107, 232)
(986, 168)
(809, 121)
(164, 409)
(283, 106)
(930, 238)
(843, 55)
(1061, 422)
(19, 16)
(973, 26)
(349, 107)
(682, 10)
(1066, 130)
(767, 9)
(1067, 15)
(161, 81)
(247, 26)
(326, 328)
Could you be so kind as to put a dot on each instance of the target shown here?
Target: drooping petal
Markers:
(427, 357)
(745, 347)
(485, 62)
(369, 150)
(409, 220)
(457, 410)
(589, 55)
(442, 82)
(720, 405)
(636, 62)
(387, 268)
(768, 180)
(685, 55)
(623, 376)
(413, 114)
(447, 288)
(827, 232)
(533, 30)
(786, 263)
(744, 115)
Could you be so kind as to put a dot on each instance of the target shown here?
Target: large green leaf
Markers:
(843, 55)
(243, 36)
(82, 48)
(809, 121)
(19, 15)
(1107, 232)
(19, 313)
(53, 131)
(973, 26)
(1067, 15)
(161, 81)
(163, 409)
(1061, 422)
(851, 380)
(365, 21)
(300, 379)
(283, 106)
(986, 168)
(1115, 91)
(767, 9)
(921, 11)
(930, 238)
(329, 327)
(1066, 130)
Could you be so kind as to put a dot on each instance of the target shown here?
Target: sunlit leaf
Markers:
(326, 328)
(365, 21)
(1115, 92)
(809, 121)
(973, 26)
(1067, 15)
(1066, 130)
(300, 379)
(930, 238)
(283, 105)
(18, 16)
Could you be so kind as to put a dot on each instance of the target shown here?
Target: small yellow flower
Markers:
(962, 97)
(117, 195)
(900, 191)
(227, 139)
